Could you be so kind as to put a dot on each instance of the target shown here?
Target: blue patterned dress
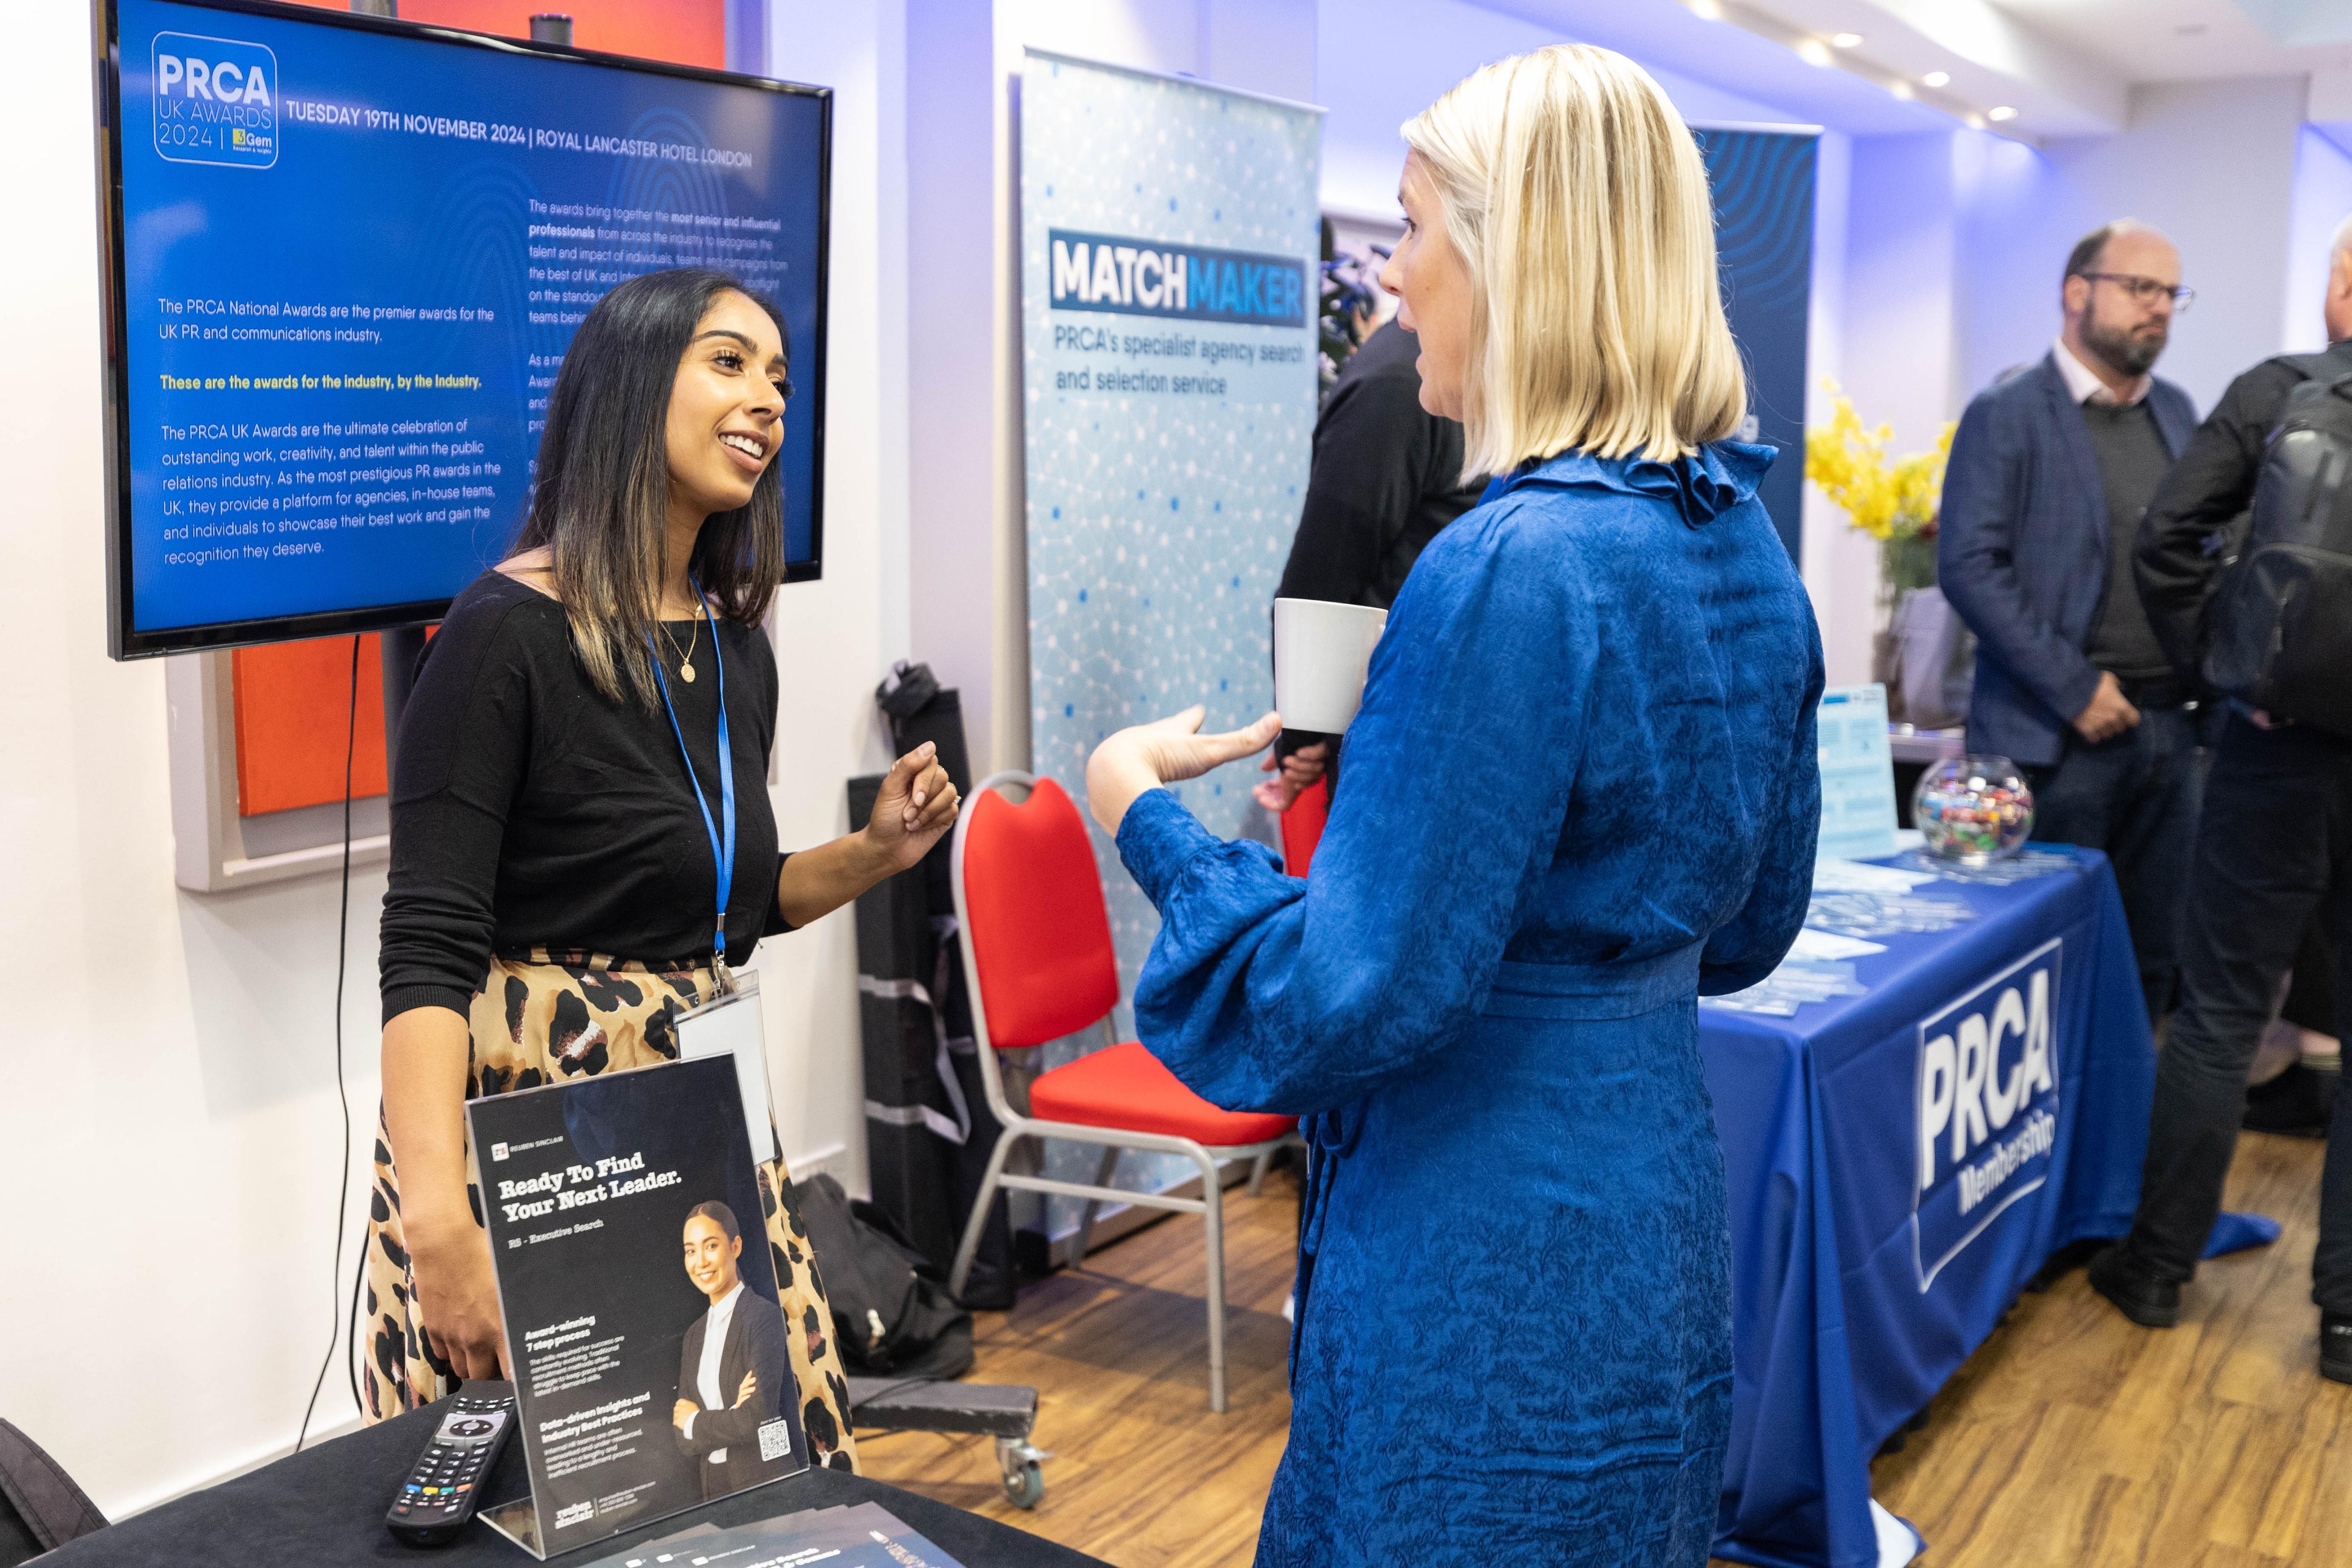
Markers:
(1581, 790)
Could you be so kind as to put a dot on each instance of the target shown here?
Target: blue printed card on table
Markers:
(1857, 775)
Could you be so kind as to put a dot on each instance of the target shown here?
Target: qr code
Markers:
(776, 1439)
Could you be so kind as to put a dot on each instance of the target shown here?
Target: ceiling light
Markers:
(1814, 52)
(1706, 10)
(1976, 120)
(1900, 88)
(2002, 113)
(1937, 78)
(1846, 40)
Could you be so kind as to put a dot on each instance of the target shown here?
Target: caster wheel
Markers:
(1019, 1461)
(1025, 1488)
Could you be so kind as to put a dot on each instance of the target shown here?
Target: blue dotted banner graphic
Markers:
(1167, 453)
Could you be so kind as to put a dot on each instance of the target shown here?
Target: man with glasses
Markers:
(2049, 473)
(2274, 851)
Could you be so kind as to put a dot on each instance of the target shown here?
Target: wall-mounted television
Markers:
(345, 258)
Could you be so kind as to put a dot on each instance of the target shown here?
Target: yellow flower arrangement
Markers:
(1894, 501)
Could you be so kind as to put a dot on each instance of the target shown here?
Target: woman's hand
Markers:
(747, 1390)
(682, 1412)
(456, 1299)
(917, 805)
(1294, 775)
(1144, 756)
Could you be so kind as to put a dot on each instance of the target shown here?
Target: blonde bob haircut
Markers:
(1575, 196)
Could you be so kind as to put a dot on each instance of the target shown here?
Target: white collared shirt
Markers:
(2085, 386)
(706, 1376)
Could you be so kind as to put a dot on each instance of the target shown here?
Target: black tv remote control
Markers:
(440, 1494)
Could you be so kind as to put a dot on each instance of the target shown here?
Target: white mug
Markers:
(1322, 652)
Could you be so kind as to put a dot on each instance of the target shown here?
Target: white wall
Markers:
(1952, 243)
(171, 1104)
(2321, 200)
(169, 1072)
(835, 638)
(174, 1093)
(1839, 564)
(1883, 291)
(2211, 163)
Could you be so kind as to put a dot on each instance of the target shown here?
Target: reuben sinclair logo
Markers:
(216, 101)
(1986, 1104)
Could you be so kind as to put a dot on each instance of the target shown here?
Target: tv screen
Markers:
(348, 255)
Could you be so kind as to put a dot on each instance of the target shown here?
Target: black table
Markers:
(326, 1505)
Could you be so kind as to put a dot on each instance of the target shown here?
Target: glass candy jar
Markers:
(1973, 809)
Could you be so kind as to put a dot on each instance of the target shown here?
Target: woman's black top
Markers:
(531, 810)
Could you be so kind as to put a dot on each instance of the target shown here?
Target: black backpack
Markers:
(892, 1314)
(41, 1508)
(2279, 629)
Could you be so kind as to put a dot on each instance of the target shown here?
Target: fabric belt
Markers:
(1625, 988)
(1330, 1137)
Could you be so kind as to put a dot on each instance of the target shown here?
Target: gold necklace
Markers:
(685, 660)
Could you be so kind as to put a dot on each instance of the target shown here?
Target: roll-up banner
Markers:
(1168, 287)
(1761, 177)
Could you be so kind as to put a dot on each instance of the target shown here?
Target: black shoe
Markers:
(2297, 1102)
(2139, 1295)
(2336, 1346)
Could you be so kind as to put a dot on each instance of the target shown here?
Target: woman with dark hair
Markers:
(730, 1364)
(582, 838)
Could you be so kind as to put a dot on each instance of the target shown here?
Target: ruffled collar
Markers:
(1702, 486)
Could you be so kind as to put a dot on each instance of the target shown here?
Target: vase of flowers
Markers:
(1894, 500)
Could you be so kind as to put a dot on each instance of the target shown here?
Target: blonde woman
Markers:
(1581, 791)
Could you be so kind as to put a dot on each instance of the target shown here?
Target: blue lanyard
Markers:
(722, 852)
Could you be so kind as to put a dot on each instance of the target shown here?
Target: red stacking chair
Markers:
(1302, 826)
(1037, 953)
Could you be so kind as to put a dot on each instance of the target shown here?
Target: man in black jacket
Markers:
(1387, 474)
(2273, 845)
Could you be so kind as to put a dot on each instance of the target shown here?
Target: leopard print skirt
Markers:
(547, 1019)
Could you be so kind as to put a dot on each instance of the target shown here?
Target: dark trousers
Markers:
(2134, 797)
(2274, 847)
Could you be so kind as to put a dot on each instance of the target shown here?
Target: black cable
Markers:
(342, 1094)
(351, 1356)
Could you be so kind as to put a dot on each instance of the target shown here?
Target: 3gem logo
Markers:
(216, 101)
(1986, 1097)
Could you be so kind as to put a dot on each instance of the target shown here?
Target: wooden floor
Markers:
(2071, 1437)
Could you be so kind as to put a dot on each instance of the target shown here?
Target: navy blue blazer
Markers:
(2021, 553)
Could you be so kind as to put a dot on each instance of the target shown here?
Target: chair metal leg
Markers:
(1085, 1238)
(979, 1221)
(1258, 1167)
(1212, 1193)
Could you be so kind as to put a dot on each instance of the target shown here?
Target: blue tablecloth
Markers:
(1867, 1261)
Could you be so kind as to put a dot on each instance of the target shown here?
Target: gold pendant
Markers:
(686, 672)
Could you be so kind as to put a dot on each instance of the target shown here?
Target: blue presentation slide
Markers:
(352, 262)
